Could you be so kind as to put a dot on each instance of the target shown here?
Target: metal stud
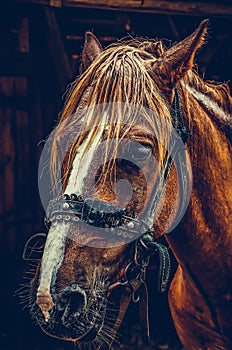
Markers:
(67, 218)
(117, 222)
(73, 197)
(130, 224)
(80, 198)
(65, 206)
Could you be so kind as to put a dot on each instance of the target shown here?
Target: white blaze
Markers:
(53, 251)
(81, 165)
(51, 261)
(55, 244)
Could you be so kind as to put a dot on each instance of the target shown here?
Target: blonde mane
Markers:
(119, 77)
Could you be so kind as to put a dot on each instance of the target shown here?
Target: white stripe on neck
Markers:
(209, 103)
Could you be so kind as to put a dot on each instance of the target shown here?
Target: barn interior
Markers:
(41, 43)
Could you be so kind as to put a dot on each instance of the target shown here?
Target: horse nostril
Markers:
(77, 301)
(73, 299)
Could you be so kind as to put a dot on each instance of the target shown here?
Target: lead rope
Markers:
(164, 267)
(144, 314)
(134, 282)
(150, 247)
(126, 296)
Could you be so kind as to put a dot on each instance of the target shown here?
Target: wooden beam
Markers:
(57, 50)
(56, 3)
(159, 6)
(101, 38)
(24, 35)
(90, 21)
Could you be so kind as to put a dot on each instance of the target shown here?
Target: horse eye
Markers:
(140, 152)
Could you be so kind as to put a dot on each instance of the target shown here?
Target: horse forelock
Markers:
(117, 78)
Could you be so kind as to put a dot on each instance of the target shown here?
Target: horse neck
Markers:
(204, 239)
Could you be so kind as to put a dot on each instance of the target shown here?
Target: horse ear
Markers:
(177, 60)
(92, 49)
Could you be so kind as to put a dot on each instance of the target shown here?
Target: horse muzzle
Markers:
(77, 315)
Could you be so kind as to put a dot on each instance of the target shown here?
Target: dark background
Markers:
(40, 52)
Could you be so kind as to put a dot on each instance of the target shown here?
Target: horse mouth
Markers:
(69, 334)
(83, 327)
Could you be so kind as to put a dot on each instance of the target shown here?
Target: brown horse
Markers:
(134, 124)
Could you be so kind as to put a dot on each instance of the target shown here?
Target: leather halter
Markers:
(124, 224)
(114, 220)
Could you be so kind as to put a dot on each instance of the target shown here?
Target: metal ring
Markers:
(133, 298)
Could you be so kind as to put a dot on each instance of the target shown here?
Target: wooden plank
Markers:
(7, 155)
(6, 163)
(101, 38)
(24, 36)
(16, 65)
(56, 3)
(165, 7)
(19, 100)
(160, 6)
(38, 128)
(57, 50)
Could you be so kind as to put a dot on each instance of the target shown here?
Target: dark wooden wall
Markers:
(40, 52)
(30, 98)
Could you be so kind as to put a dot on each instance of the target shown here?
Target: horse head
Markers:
(121, 175)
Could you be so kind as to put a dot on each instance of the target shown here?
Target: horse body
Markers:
(75, 282)
(200, 294)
